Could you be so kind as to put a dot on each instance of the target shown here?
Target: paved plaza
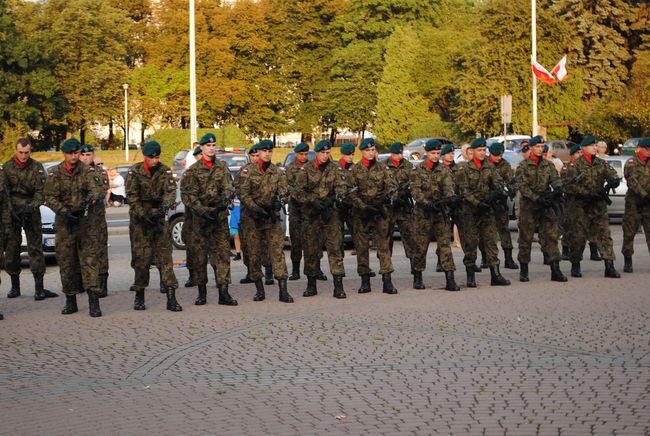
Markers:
(532, 358)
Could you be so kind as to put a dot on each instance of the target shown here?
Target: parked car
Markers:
(49, 237)
(178, 163)
(512, 142)
(415, 150)
(617, 208)
(629, 146)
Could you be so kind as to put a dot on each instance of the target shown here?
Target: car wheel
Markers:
(176, 227)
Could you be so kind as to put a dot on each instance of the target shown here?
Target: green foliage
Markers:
(175, 140)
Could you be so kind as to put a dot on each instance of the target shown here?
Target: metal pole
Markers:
(193, 123)
(534, 59)
(126, 120)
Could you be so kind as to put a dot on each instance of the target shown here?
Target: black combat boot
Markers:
(338, 287)
(259, 287)
(93, 305)
(483, 263)
(311, 287)
(70, 305)
(365, 284)
(224, 296)
(284, 293)
(496, 279)
(40, 293)
(627, 267)
(565, 253)
(556, 274)
(246, 280)
(103, 285)
(471, 278)
(547, 260)
(202, 298)
(321, 275)
(138, 303)
(190, 283)
(575, 269)
(593, 250)
(372, 273)
(172, 304)
(417, 280)
(388, 287)
(610, 271)
(523, 273)
(295, 271)
(476, 268)
(268, 275)
(450, 284)
(509, 261)
(1, 317)
(15, 286)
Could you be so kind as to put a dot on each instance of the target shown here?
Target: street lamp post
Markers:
(126, 120)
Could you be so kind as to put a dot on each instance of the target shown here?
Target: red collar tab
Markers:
(396, 163)
(642, 158)
(146, 168)
(343, 164)
(316, 162)
(430, 165)
(535, 159)
(19, 163)
(589, 158)
(448, 164)
(492, 160)
(208, 162)
(366, 163)
(478, 163)
(259, 162)
(68, 168)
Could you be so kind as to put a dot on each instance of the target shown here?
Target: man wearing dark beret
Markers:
(637, 200)
(25, 179)
(151, 192)
(296, 218)
(186, 231)
(567, 222)
(346, 162)
(70, 191)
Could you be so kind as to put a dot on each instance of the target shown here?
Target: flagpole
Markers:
(534, 59)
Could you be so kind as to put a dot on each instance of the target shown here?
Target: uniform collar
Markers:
(589, 158)
(19, 163)
(478, 163)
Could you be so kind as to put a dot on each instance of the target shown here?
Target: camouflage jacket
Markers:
(202, 188)
(477, 184)
(505, 171)
(148, 193)
(291, 172)
(5, 216)
(595, 176)
(536, 179)
(318, 181)
(431, 185)
(101, 178)
(25, 185)
(258, 187)
(66, 191)
(637, 176)
(375, 184)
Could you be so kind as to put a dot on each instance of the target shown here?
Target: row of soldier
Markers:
(369, 197)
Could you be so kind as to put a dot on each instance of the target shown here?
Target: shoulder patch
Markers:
(91, 169)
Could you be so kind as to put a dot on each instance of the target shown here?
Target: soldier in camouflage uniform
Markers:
(25, 179)
(591, 207)
(263, 191)
(432, 183)
(70, 191)
(540, 186)
(478, 182)
(637, 200)
(376, 186)
(186, 231)
(346, 162)
(296, 216)
(151, 192)
(317, 185)
(97, 217)
(206, 190)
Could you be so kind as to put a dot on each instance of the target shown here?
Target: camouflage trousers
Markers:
(316, 235)
(34, 232)
(502, 221)
(591, 216)
(211, 241)
(148, 244)
(361, 230)
(431, 224)
(186, 235)
(76, 255)
(533, 217)
(266, 239)
(345, 220)
(479, 226)
(246, 226)
(97, 220)
(296, 230)
(406, 224)
(634, 217)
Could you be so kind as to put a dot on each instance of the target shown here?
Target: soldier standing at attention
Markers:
(24, 182)
(296, 216)
(346, 161)
(479, 179)
(97, 216)
(376, 186)
(263, 190)
(317, 185)
(246, 220)
(70, 191)
(591, 210)
(151, 192)
(432, 182)
(206, 190)
(637, 200)
(540, 186)
(567, 173)
(186, 231)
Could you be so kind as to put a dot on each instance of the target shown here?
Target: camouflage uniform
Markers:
(501, 216)
(345, 207)
(637, 206)
(186, 235)
(296, 220)
(98, 221)
(402, 211)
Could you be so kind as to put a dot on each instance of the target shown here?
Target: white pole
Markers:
(193, 123)
(126, 120)
(534, 59)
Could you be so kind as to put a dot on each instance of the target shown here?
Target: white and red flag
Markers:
(542, 73)
(560, 70)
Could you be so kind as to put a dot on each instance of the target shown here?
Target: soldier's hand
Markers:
(150, 219)
(28, 209)
(484, 206)
(371, 210)
(318, 204)
(276, 204)
(209, 217)
(72, 217)
(260, 211)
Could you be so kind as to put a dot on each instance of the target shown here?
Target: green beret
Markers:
(196, 151)
(323, 145)
(151, 148)
(253, 149)
(70, 145)
(545, 148)
(396, 147)
(366, 143)
(478, 142)
(87, 148)
(574, 149)
(208, 137)
(496, 148)
(588, 140)
(432, 144)
(301, 148)
(448, 148)
(265, 144)
(644, 142)
(539, 139)
(347, 148)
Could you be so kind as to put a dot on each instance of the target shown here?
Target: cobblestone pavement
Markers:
(532, 358)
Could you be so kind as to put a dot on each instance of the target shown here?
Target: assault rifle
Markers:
(402, 199)
(552, 197)
(75, 214)
(159, 218)
(215, 206)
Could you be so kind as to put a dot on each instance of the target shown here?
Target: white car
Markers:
(511, 141)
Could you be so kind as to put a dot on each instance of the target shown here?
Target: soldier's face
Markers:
(397, 156)
(347, 157)
(152, 161)
(86, 158)
(323, 156)
(448, 157)
(208, 150)
(575, 156)
(252, 157)
(265, 155)
(369, 153)
(479, 153)
(433, 155)
(589, 149)
(537, 149)
(22, 153)
(71, 158)
(497, 158)
(302, 157)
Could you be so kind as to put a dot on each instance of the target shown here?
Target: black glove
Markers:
(613, 183)
(28, 209)
(209, 217)
(483, 206)
(371, 210)
(72, 216)
(276, 204)
(260, 212)
(223, 204)
(318, 205)
(149, 219)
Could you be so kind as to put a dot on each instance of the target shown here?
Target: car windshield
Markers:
(235, 160)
